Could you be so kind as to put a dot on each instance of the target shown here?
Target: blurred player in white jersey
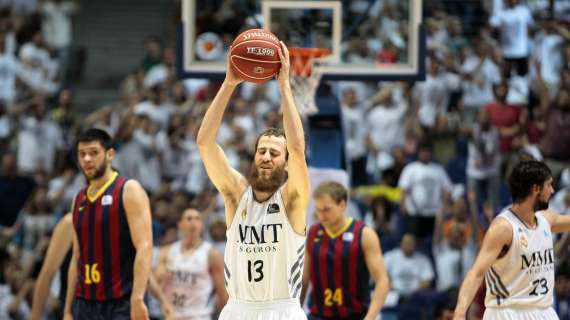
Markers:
(190, 271)
(517, 257)
(265, 212)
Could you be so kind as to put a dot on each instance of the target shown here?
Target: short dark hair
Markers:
(272, 132)
(525, 175)
(333, 189)
(95, 135)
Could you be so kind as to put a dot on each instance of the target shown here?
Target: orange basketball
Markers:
(254, 56)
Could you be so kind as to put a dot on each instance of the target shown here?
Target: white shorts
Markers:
(287, 309)
(519, 314)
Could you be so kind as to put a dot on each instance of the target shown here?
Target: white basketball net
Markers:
(304, 84)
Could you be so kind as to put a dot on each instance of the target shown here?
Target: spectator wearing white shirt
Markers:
(38, 70)
(484, 161)
(56, 27)
(156, 107)
(513, 23)
(7, 31)
(385, 122)
(409, 270)
(547, 45)
(425, 187)
(10, 69)
(454, 245)
(39, 140)
(386, 128)
(164, 72)
(479, 73)
(355, 133)
(431, 97)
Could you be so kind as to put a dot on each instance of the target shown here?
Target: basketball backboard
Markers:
(369, 39)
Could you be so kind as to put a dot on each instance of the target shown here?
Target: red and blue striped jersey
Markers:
(339, 277)
(106, 251)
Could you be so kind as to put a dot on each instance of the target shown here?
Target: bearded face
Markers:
(93, 159)
(99, 171)
(266, 182)
(268, 171)
(541, 201)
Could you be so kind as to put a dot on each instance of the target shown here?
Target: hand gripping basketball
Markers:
(231, 76)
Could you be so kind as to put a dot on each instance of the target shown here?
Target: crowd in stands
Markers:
(428, 160)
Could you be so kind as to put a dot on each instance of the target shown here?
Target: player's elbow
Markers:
(476, 273)
(202, 141)
(144, 246)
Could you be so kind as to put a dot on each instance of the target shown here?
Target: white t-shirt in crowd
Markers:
(546, 49)
(513, 24)
(425, 184)
(160, 114)
(56, 23)
(38, 142)
(407, 273)
(354, 131)
(483, 156)
(433, 96)
(451, 264)
(386, 125)
(478, 91)
(9, 69)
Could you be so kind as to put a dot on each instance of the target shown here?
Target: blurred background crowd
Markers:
(427, 160)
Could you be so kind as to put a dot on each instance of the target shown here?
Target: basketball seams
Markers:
(252, 60)
(245, 74)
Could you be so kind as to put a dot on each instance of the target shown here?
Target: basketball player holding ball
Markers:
(265, 212)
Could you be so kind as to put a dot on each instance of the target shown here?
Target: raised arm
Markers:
(297, 189)
(61, 242)
(498, 236)
(226, 179)
(541, 87)
(558, 223)
(375, 264)
(137, 208)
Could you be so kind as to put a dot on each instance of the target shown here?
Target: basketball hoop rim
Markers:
(295, 52)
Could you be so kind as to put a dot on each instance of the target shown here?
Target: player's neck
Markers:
(191, 243)
(96, 184)
(338, 225)
(261, 196)
(525, 211)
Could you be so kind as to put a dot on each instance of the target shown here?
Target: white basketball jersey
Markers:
(191, 287)
(524, 277)
(264, 255)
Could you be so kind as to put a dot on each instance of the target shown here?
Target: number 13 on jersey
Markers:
(333, 297)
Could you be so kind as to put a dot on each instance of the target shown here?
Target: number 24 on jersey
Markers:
(333, 297)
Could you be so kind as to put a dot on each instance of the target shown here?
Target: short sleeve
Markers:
(406, 177)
